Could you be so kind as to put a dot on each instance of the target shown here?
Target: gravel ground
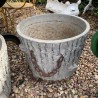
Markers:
(83, 84)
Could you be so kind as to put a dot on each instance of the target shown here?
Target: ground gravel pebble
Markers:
(83, 83)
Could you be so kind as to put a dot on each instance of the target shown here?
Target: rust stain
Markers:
(41, 73)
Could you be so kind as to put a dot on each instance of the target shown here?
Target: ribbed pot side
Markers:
(5, 80)
(53, 44)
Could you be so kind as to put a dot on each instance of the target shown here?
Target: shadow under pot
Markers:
(2, 2)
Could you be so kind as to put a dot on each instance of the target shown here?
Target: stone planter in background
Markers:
(5, 80)
(53, 44)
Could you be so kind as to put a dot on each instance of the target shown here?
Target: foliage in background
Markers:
(95, 4)
(41, 1)
(34, 1)
(93, 9)
(96, 11)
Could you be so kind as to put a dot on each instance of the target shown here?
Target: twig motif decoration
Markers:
(41, 73)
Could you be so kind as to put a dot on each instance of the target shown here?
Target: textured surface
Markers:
(25, 86)
(47, 58)
(5, 82)
(83, 84)
(53, 60)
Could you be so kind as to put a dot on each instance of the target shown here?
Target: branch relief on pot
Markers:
(40, 71)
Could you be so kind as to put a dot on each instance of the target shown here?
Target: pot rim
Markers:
(53, 41)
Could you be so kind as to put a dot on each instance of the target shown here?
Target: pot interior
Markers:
(52, 27)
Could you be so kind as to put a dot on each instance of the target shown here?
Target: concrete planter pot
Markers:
(53, 44)
(5, 80)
